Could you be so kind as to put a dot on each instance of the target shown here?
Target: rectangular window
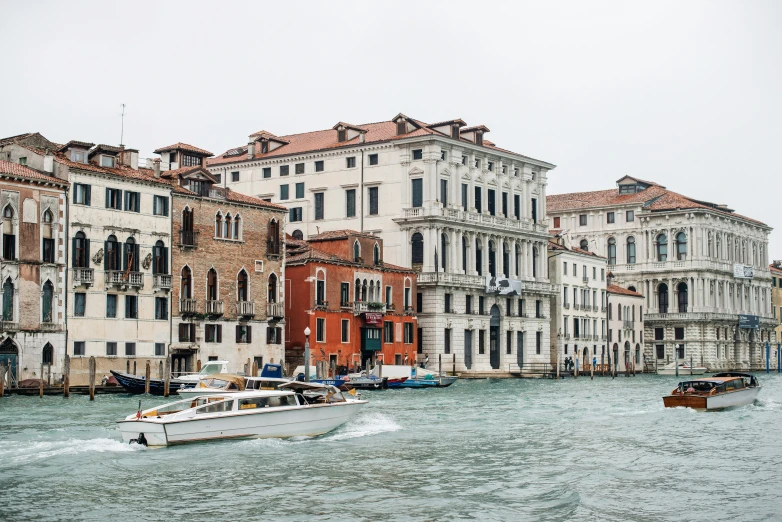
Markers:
(505, 204)
(659, 334)
(388, 332)
(283, 192)
(491, 201)
(319, 166)
(299, 190)
(267, 172)
(186, 332)
(448, 303)
(556, 222)
(464, 157)
(81, 194)
(160, 349)
(284, 170)
(610, 217)
(218, 178)
(389, 291)
(213, 333)
(582, 220)
(344, 294)
(130, 349)
(132, 201)
(629, 216)
(660, 348)
(481, 342)
(350, 203)
(131, 307)
(161, 308)
(351, 162)
(517, 207)
(111, 305)
(299, 169)
(320, 330)
(408, 333)
(538, 308)
(373, 159)
(480, 305)
(114, 198)
(160, 206)
(79, 304)
(538, 341)
(443, 155)
(234, 176)
(346, 330)
(465, 199)
(78, 348)
(478, 203)
(419, 302)
(534, 207)
(319, 205)
(509, 342)
(48, 250)
(111, 348)
(447, 341)
(244, 334)
(417, 192)
(678, 333)
(468, 304)
(444, 192)
(373, 201)
(490, 165)
(520, 308)
(508, 306)
(294, 214)
(107, 161)
(418, 154)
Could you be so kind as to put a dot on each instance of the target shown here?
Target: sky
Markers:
(687, 94)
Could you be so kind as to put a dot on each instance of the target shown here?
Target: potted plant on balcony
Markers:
(375, 305)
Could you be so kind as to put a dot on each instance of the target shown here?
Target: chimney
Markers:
(156, 167)
(250, 150)
(362, 137)
(48, 162)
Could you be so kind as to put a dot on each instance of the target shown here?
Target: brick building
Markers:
(358, 307)
(227, 266)
(32, 266)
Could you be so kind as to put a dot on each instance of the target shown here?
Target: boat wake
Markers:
(365, 425)
(22, 452)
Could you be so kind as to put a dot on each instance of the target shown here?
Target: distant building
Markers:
(699, 266)
(625, 329)
(357, 307)
(32, 264)
(468, 215)
(776, 299)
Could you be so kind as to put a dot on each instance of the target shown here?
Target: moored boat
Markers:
(722, 390)
(304, 410)
(270, 379)
(413, 377)
(684, 369)
(136, 384)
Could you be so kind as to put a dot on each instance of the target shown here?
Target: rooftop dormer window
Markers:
(479, 138)
(190, 161)
(264, 147)
(455, 131)
(401, 127)
(78, 156)
(342, 135)
(108, 161)
(628, 189)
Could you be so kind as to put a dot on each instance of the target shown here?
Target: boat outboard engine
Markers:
(140, 440)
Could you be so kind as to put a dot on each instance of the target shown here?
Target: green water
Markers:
(490, 449)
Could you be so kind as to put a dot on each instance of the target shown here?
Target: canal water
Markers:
(487, 449)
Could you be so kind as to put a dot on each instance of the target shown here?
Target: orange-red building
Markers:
(357, 307)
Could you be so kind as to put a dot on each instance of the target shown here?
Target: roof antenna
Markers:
(122, 131)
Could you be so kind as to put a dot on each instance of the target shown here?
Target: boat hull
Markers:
(134, 384)
(440, 382)
(309, 421)
(713, 402)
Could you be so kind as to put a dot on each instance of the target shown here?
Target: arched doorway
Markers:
(494, 336)
(627, 354)
(615, 356)
(468, 349)
(9, 357)
(585, 361)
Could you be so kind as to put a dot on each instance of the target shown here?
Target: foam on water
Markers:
(26, 452)
(364, 425)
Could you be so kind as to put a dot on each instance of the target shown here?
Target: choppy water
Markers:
(490, 449)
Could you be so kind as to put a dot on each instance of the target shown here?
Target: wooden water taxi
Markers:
(717, 392)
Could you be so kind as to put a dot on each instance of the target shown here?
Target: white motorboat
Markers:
(720, 391)
(295, 409)
(684, 369)
(228, 383)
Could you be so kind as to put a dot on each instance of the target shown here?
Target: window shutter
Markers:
(165, 206)
(108, 198)
(73, 252)
(219, 333)
(105, 255)
(165, 260)
(127, 200)
(238, 333)
(137, 201)
(86, 252)
(136, 250)
(249, 334)
(87, 194)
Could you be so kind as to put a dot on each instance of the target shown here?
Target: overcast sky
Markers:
(687, 94)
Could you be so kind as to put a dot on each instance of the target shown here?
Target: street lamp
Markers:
(307, 332)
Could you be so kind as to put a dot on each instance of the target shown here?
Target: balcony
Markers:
(49, 327)
(275, 310)
(576, 306)
(409, 311)
(566, 305)
(586, 308)
(83, 276)
(320, 305)
(586, 280)
(9, 326)
(188, 239)
(362, 308)
(459, 215)
(214, 307)
(125, 279)
(272, 249)
(629, 325)
(245, 308)
(188, 306)
(161, 282)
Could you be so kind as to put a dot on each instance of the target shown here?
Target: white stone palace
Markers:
(446, 201)
(698, 264)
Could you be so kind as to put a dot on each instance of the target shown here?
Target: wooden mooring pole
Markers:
(454, 364)
(255, 369)
(92, 378)
(440, 363)
(66, 377)
(557, 366)
(147, 377)
(40, 384)
(591, 372)
(167, 376)
(2, 380)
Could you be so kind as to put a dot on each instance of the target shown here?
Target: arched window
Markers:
(273, 241)
(681, 290)
(357, 290)
(464, 253)
(271, 292)
(218, 225)
(356, 251)
(611, 251)
(187, 236)
(478, 256)
(364, 291)
(160, 258)
(47, 355)
(681, 246)
(8, 212)
(47, 302)
(662, 298)
(417, 249)
(242, 286)
(662, 248)
(518, 260)
(131, 255)
(112, 260)
(376, 254)
(505, 260)
(631, 288)
(227, 226)
(584, 245)
(534, 261)
(492, 259)
(631, 250)
(81, 250)
(187, 283)
(211, 285)
(444, 251)
(619, 311)
(298, 234)
(47, 234)
(8, 300)
(237, 228)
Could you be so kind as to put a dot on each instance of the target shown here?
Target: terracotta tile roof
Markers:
(268, 135)
(775, 269)
(12, 139)
(172, 178)
(484, 128)
(327, 139)
(302, 252)
(457, 121)
(348, 126)
(184, 146)
(614, 289)
(183, 171)
(76, 143)
(8, 168)
(104, 148)
(552, 245)
(340, 234)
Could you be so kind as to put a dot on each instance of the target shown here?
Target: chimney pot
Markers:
(156, 167)
(250, 150)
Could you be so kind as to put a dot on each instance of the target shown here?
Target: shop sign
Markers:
(373, 318)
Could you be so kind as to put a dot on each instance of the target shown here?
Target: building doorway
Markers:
(9, 357)
(494, 336)
(468, 349)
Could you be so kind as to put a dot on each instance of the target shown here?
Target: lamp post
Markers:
(307, 354)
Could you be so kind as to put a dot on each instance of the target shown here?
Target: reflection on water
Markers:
(512, 450)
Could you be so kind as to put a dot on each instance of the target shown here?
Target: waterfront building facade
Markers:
(625, 329)
(468, 215)
(32, 266)
(776, 299)
(227, 260)
(578, 323)
(698, 264)
(358, 307)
